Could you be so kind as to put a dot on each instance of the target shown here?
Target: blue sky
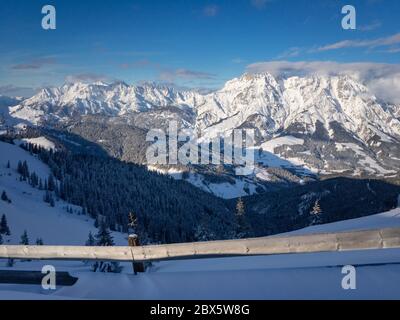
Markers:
(192, 43)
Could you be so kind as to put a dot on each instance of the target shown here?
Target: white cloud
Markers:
(374, 43)
(15, 91)
(382, 79)
(369, 27)
(185, 74)
(290, 53)
(86, 77)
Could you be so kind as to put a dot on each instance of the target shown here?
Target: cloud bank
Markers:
(382, 79)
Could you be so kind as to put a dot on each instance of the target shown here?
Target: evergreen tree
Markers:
(19, 168)
(51, 185)
(104, 237)
(243, 228)
(1, 239)
(48, 198)
(4, 197)
(133, 222)
(316, 213)
(39, 242)
(23, 170)
(25, 239)
(4, 229)
(91, 241)
(240, 210)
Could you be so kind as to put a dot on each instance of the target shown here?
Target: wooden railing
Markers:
(328, 242)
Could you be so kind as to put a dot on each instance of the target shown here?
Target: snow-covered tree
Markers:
(316, 213)
(240, 209)
(243, 228)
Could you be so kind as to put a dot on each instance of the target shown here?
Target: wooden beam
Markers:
(133, 241)
(328, 242)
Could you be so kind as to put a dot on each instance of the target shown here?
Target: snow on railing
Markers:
(327, 242)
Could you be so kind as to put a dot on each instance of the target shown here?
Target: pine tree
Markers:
(39, 242)
(316, 213)
(104, 237)
(19, 168)
(243, 228)
(48, 198)
(1, 239)
(4, 197)
(23, 170)
(240, 210)
(51, 185)
(25, 239)
(133, 222)
(91, 241)
(4, 229)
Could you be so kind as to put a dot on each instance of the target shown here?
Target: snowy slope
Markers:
(293, 276)
(29, 212)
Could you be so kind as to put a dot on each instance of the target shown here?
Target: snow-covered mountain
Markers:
(334, 124)
(278, 104)
(327, 124)
(116, 99)
(273, 105)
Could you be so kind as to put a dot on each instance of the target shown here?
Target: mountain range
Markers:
(305, 126)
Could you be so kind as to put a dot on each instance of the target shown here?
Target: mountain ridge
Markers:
(328, 124)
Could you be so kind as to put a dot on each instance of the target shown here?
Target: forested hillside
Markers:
(167, 210)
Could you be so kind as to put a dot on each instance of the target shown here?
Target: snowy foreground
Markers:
(295, 276)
